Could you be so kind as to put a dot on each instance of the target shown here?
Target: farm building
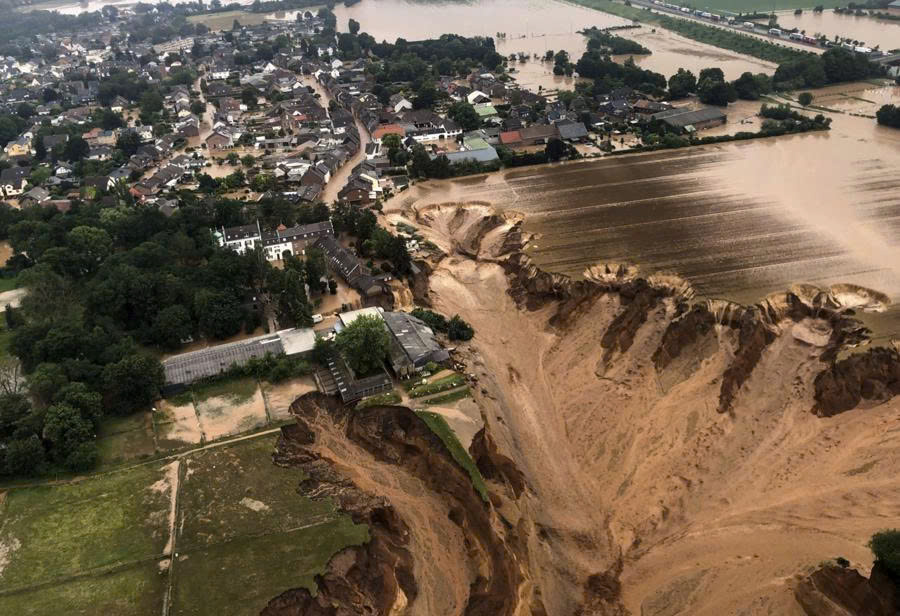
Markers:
(685, 121)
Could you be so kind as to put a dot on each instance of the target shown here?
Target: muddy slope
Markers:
(670, 458)
(837, 591)
(435, 547)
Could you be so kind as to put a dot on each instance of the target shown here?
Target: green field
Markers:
(135, 591)
(52, 533)
(224, 20)
(437, 386)
(243, 536)
(440, 427)
(453, 396)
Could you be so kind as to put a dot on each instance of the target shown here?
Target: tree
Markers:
(353, 26)
(555, 149)
(889, 115)
(65, 429)
(716, 92)
(426, 96)
(364, 344)
(249, 96)
(198, 107)
(218, 314)
(885, 545)
(14, 407)
(40, 150)
(248, 160)
(128, 142)
(75, 149)
(25, 110)
(682, 83)
(133, 382)
(457, 329)
(151, 102)
(715, 74)
(746, 87)
(465, 115)
(172, 325)
(24, 456)
(805, 98)
(89, 246)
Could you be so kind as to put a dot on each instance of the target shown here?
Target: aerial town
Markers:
(491, 307)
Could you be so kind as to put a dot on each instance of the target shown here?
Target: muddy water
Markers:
(533, 27)
(866, 29)
(737, 220)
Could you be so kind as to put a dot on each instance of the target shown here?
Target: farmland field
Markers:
(242, 532)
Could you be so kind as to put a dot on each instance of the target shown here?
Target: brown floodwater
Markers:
(534, 27)
(737, 220)
(867, 29)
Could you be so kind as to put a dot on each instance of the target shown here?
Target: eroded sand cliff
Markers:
(646, 453)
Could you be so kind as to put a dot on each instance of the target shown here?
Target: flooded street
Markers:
(737, 220)
(867, 30)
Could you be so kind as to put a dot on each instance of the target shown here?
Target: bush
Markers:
(885, 545)
(805, 98)
(459, 330)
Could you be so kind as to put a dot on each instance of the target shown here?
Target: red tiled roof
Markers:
(510, 136)
(388, 129)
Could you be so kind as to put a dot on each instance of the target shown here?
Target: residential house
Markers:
(14, 180)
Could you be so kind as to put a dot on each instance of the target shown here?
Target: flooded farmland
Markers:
(535, 26)
(737, 220)
(867, 30)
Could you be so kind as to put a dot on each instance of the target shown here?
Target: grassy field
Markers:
(252, 531)
(453, 396)
(8, 284)
(440, 427)
(224, 20)
(243, 536)
(238, 578)
(51, 533)
(135, 591)
(437, 386)
(388, 398)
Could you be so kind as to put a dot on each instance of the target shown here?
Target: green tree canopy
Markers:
(364, 344)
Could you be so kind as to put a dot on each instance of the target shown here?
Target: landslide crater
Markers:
(436, 547)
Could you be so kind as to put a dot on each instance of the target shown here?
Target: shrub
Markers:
(805, 98)
(885, 545)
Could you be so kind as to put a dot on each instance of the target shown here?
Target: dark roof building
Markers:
(683, 120)
(413, 344)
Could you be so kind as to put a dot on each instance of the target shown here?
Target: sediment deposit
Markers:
(646, 452)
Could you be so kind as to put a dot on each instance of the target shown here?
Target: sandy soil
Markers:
(6, 251)
(436, 543)
(711, 513)
(178, 424)
(223, 416)
(280, 397)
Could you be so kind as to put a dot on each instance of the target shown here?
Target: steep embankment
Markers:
(670, 456)
(436, 547)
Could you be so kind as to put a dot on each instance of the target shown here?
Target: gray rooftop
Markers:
(415, 338)
(195, 365)
(682, 118)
